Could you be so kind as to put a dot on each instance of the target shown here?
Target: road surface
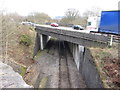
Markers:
(67, 28)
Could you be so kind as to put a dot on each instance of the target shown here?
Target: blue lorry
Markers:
(110, 22)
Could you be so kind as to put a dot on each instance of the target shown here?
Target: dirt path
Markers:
(57, 69)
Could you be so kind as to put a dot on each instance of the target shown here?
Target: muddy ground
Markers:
(54, 68)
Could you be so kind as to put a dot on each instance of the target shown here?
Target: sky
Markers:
(55, 7)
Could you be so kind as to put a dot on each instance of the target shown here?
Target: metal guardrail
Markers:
(116, 38)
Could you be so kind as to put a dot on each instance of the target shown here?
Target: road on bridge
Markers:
(66, 28)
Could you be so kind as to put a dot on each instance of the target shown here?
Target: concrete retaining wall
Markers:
(86, 65)
(40, 42)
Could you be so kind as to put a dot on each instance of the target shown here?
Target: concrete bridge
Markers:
(78, 41)
(79, 37)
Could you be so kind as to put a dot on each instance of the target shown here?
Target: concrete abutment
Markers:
(40, 42)
(86, 66)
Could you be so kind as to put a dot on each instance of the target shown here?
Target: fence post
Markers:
(111, 40)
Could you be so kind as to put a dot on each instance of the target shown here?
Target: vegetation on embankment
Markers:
(17, 42)
(25, 40)
(108, 65)
(23, 71)
(21, 45)
(18, 39)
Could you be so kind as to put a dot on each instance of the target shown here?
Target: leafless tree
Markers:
(8, 24)
(94, 11)
(72, 14)
(38, 17)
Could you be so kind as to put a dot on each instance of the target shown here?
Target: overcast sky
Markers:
(55, 7)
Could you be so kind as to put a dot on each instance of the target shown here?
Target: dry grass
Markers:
(108, 65)
(20, 53)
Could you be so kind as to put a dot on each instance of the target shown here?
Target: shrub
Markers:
(25, 40)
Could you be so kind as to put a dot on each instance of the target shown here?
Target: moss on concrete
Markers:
(23, 71)
(52, 38)
(43, 82)
(40, 53)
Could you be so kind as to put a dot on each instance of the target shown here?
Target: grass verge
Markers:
(108, 65)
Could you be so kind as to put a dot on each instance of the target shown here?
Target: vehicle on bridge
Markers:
(107, 23)
(93, 22)
(54, 24)
(26, 23)
(78, 27)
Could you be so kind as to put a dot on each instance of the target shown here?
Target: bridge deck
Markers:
(82, 37)
(65, 28)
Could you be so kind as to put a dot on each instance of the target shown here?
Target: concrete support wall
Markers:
(40, 42)
(37, 45)
(44, 40)
(86, 65)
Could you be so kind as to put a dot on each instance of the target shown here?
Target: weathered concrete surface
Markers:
(11, 79)
(89, 71)
(75, 76)
(40, 42)
(37, 45)
(86, 65)
(45, 40)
